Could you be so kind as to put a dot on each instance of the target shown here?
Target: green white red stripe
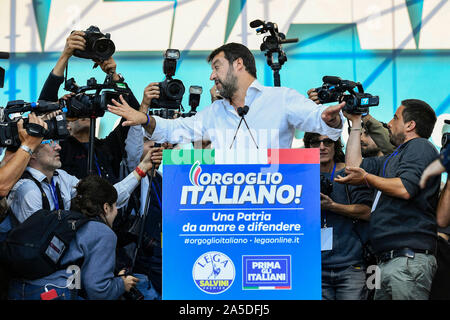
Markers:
(246, 156)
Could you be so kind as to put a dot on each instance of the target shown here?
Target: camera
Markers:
(99, 46)
(272, 44)
(171, 90)
(9, 135)
(326, 186)
(333, 90)
(92, 105)
(445, 137)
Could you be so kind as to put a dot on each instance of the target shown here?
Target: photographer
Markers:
(403, 224)
(277, 110)
(108, 152)
(46, 186)
(14, 164)
(94, 244)
(441, 280)
(343, 211)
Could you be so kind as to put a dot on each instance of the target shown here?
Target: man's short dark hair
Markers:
(233, 51)
(422, 114)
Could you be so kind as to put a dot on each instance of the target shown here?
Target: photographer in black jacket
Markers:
(108, 151)
(402, 227)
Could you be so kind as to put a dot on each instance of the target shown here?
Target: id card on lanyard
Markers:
(326, 233)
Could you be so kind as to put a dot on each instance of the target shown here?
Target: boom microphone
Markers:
(256, 23)
(4, 55)
(331, 79)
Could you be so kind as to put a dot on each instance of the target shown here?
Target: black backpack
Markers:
(34, 249)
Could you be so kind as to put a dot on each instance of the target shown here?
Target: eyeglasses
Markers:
(50, 142)
(326, 142)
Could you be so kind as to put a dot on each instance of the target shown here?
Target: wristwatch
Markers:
(26, 149)
(121, 78)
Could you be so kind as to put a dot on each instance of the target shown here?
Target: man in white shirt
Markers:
(58, 187)
(273, 116)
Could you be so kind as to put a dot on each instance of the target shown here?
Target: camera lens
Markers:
(175, 90)
(104, 48)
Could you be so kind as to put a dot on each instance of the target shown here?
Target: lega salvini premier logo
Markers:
(213, 272)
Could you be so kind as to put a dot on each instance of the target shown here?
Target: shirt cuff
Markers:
(159, 134)
(335, 133)
(125, 188)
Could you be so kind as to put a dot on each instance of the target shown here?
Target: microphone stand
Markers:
(242, 112)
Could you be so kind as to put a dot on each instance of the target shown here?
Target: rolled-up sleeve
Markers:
(124, 189)
(305, 115)
(180, 130)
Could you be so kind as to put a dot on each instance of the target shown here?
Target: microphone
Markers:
(4, 55)
(331, 79)
(256, 23)
(242, 111)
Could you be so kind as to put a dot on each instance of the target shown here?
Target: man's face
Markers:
(47, 155)
(397, 127)
(224, 76)
(79, 125)
(326, 146)
(368, 146)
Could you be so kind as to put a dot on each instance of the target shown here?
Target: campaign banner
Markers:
(241, 225)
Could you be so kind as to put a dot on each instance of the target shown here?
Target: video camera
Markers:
(92, 105)
(172, 91)
(272, 44)
(333, 89)
(9, 135)
(99, 46)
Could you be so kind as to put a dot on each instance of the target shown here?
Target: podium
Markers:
(241, 224)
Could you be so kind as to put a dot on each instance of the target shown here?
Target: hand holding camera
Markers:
(150, 92)
(27, 140)
(75, 41)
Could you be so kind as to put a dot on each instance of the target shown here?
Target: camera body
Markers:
(99, 46)
(171, 90)
(9, 135)
(356, 102)
(326, 186)
(92, 105)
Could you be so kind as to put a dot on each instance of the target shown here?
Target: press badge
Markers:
(326, 239)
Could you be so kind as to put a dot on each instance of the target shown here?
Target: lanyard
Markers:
(96, 164)
(324, 215)
(54, 195)
(332, 173)
(392, 155)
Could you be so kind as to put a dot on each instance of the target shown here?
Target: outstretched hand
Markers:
(354, 176)
(331, 115)
(123, 109)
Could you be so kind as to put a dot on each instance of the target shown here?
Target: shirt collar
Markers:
(255, 84)
(254, 88)
(39, 176)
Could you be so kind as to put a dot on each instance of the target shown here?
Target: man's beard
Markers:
(228, 86)
(397, 139)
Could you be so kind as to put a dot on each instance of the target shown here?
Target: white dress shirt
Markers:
(25, 197)
(274, 115)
